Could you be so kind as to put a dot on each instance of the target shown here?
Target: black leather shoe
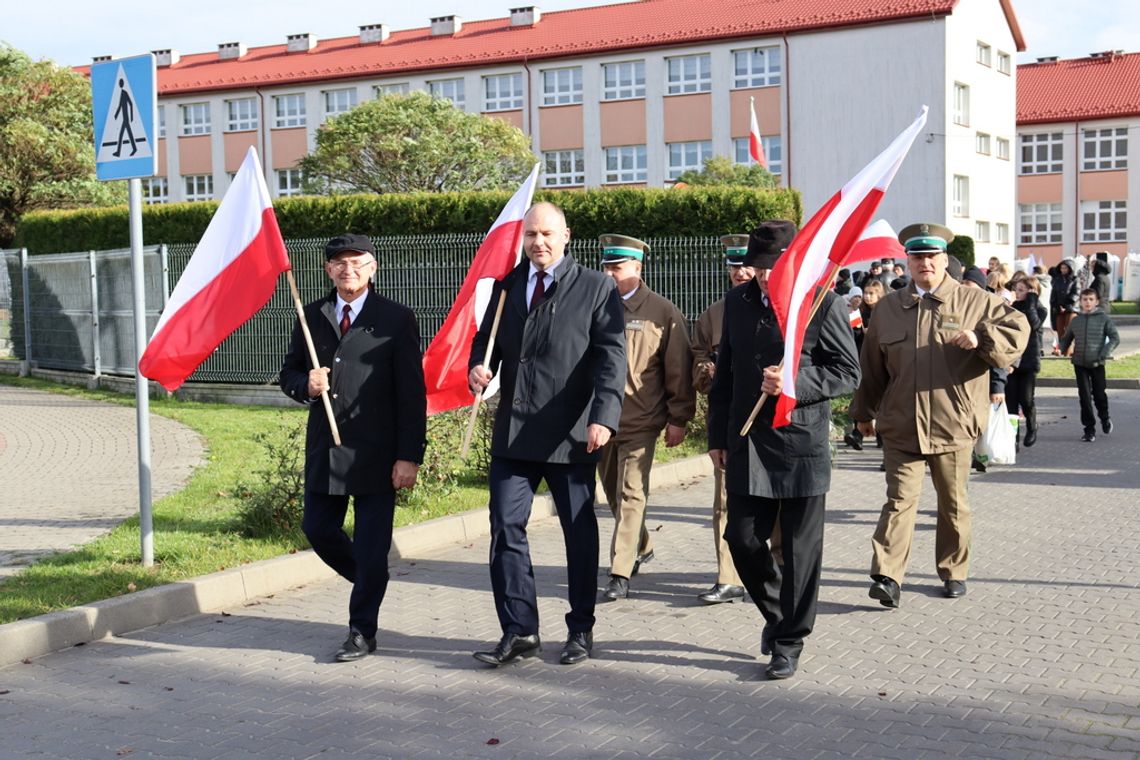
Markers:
(977, 464)
(642, 559)
(886, 590)
(511, 647)
(854, 440)
(1030, 437)
(577, 648)
(722, 592)
(954, 589)
(766, 638)
(782, 666)
(617, 588)
(1089, 436)
(1106, 426)
(355, 647)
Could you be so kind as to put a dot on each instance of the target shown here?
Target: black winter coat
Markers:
(376, 389)
(561, 367)
(1031, 307)
(1066, 292)
(794, 460)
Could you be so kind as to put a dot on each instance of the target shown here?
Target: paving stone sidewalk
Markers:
(1039, 660)
(69, 470)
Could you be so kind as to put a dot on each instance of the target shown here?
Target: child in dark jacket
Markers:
(1095, 336)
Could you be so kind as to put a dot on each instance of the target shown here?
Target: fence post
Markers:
(26, 366)
(164, 259)
(96, 351)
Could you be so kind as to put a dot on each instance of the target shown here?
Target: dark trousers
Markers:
(786, 599)
(361, 560)
(512, 485)
(1090, 390)
(1020, 389)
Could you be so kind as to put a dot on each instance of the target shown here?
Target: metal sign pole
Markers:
(142, 399)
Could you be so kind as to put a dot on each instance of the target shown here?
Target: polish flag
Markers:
(856, 319)
(827, 239)
(879, 241)
(231, 275)
(755, 146)
(445, 361)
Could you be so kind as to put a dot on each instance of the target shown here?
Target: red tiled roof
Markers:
(559, 34)
(1080, 88)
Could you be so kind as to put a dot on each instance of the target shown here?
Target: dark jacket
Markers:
(376, 389)
(1102, 276)
(1031, 308)
(561, 367)
(1095, 335)
(1066, 293)
(794, 460)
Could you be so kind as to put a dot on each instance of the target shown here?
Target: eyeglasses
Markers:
(355, 264)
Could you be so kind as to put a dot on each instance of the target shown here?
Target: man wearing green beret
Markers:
(658, 396)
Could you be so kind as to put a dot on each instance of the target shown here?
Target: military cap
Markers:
(348, 242)
(767, 242)
(925, 237)
(735, 249)
(619, 248)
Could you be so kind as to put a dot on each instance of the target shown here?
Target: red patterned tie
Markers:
(345, 320)
(539, 289)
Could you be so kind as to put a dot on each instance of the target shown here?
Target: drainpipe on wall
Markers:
(261, 133)
(787, 116)
(527, 117)
(1076, 193)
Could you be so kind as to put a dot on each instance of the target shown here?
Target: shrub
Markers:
(273, 504)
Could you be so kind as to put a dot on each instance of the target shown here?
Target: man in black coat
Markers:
(560, 356)
(777, 473)
(369, 351)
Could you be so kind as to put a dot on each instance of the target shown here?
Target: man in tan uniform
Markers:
(658, 396)
(706, 338)
(925, 363)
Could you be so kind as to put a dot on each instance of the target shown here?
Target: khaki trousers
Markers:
(726, 574)
(624, 472)
(891, 543)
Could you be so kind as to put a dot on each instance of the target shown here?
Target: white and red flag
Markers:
(879, 241)
(755, 146)
(827, 239)
(445, 361)
(231, 275)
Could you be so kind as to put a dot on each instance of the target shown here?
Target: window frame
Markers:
(242, 122)
(391, 88)
(639, 173)
(513, 101)
(1004, 62)
(1002, 148)
(698, 150)
(1048, 233)
(1116, 216)
(751, 76)
(1053, 141)
(961, 111)
(151, 198)
(285, 118)
(981, 231)
(982, 143)
(1099, 138)
(984, 54)
(331, 101)
(960, 195)
(189, 126)
(207, 191)
(290, 190)
(437, 88)
(684, 81)
(1001, 233)
(574, 177)
(557, 96)
(621, 89)
(773, 151)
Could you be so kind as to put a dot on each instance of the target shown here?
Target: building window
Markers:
(1003, 148)
(503, 92)
(288, 182)
(196, 119)
(982, 143)
(1002, 231)
(684, 156)
(623, 80)
(1003, 62)
(1104, 221)
(199, 187)
(449, 89)
(562, 87)
(1105, 149)
(241, 115)
(161, 122)
(1040, 223)
(400, 88)
(689, 73)
(984, 54)
(289, 111)
(625, 164)
(758, 67)
(1041, 153)
(155, 190)
(339, 101)
(773, 151)
(981, 232)
(961, 196)
(961, 104)
(563, 168)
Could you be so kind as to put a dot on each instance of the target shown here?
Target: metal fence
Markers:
(78, 305)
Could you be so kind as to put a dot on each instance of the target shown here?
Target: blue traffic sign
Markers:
(124, 101)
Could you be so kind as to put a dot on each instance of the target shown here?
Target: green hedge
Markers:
(642, 213)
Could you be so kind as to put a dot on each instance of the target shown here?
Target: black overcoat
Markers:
(1030, 306)
(377, 393)
(561, 366)
(794, 460)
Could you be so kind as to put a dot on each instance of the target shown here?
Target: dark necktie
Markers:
(345, 320)
(539, 290)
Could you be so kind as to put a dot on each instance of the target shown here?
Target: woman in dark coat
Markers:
(1102, 276)
(1021, 383)
(1063, 298)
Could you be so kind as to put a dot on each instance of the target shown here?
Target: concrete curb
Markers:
(34, 637)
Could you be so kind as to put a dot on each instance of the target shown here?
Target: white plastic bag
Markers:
(998, 444)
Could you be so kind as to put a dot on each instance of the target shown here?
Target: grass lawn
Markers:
(1124, 307)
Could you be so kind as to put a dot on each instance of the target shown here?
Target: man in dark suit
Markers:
(560, 356)
(369, 351)
(779, 473)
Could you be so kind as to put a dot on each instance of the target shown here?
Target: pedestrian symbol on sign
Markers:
(123, 126)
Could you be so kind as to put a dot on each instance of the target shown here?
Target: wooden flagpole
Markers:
(814, 308)
(312, 352)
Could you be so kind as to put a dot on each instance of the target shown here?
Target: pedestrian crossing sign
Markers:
(124, 103)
